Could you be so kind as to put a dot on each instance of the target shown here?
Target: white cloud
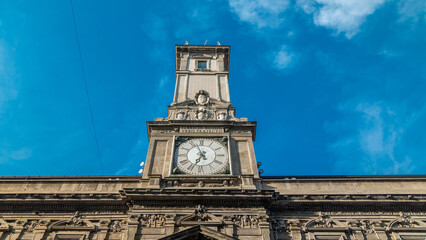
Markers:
(340, 15)
(284, 58)
(372, 137)
(412, 9)
(370, 140)
(262, 13)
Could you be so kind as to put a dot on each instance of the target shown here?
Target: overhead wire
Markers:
(87, 90)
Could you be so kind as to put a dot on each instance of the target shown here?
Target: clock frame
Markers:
(201, 156)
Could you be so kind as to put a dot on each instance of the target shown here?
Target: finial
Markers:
(186, 43)
(218, 43)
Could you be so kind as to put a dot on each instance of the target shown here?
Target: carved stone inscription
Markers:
(202, 130)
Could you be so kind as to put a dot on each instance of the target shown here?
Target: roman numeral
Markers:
(201, 142)
(182, 155)
(218, 162)
(200, 169)
(191, 167)
(210, 143)
(185, 161)
(192, 144)
(217, 148)
(185, 149)
(221, 155)
(211, 168)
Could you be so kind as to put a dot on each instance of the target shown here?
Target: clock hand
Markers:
(202, 154)
(198, 160)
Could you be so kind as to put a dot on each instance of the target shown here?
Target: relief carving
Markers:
(202, 98)
(279, 225)
(200, 213)
(199, 217)
(153, 220)
(117, 226)
(322, 221)
(202, 114)
(76, 222)
(222, 115)
(32, 225)
(404, 221)
(246, 221)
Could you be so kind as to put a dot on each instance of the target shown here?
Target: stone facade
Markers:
(233, 203)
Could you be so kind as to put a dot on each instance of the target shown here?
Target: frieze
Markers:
(246, 221)
(202, 130)
(201, 183)
(374, 213)
(349, 207)
(153, 220)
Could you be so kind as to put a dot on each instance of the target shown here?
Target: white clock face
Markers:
(201, 156)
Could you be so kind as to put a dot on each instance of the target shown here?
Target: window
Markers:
(202, 64)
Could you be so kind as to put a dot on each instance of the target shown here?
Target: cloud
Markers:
(340, 15)
(369, 140)
(10, 155)
(262, 13)
(284, 58)
(412, 10)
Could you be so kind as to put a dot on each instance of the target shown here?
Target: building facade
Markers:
(201, 181)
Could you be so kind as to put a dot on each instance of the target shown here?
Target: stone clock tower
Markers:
(201, 143)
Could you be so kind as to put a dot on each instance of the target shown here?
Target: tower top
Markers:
(202, 68)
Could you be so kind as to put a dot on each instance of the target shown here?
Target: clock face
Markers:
(201, 156)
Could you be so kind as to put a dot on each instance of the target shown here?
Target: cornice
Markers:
(338, 178)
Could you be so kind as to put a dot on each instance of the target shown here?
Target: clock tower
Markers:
(201, 143)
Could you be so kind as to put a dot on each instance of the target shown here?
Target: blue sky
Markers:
(337, 87)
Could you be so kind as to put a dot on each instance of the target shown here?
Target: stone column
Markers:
(229, 226)
(133, 224)
(264, 228)
(295, 230)
(103, 229)
(41, 229)
(170, 224)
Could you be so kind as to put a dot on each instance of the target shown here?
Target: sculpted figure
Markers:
(180, 115)
(202, 114)
(222, 116)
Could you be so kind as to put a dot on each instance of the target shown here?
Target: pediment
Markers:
(4, 226)
(198, 233)
(75, 223)
(405, 223)
(199, 217)
(324, 223)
